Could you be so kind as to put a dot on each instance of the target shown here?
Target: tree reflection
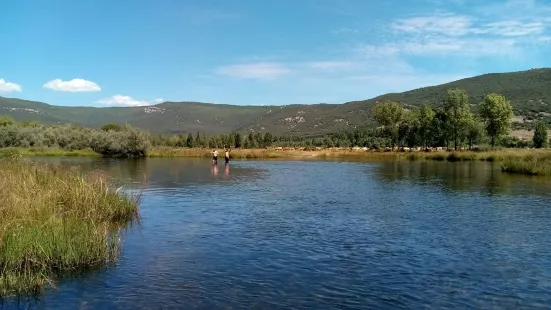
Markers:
(479, 176)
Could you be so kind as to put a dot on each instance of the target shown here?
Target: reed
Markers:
(536, 164)
(55, 220)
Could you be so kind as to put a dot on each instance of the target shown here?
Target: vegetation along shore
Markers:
(55, 221)
(466, 130)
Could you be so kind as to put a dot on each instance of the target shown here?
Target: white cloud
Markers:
(123, 101)
(448, 24)
(7, 87)
(260, 70)
(73, 86)
(461, 25)
(159, 100)
(330, 65)
(434, 45)
(345, 30)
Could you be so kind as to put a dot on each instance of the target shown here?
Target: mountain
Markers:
(529, 92)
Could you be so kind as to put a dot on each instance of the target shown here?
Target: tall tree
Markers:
(458, 111)
(389, 115)
(189, 141)
(426, 120)
(198, 141)
(540, 135)
(237, 140)
(268, 139)
(496, 112)
(408, 128)
(475, 131)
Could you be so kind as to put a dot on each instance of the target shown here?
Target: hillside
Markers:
(528, 91)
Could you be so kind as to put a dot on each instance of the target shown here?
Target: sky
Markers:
(250, 52)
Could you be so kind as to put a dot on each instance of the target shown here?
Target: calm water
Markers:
(323, 235)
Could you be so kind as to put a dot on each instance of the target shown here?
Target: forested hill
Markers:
(529, 92)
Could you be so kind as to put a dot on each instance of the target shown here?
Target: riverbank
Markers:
(32, 151)
(55, 220)
(524, 161)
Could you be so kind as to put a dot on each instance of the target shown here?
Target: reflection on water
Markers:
(484, 177)
(323, 235)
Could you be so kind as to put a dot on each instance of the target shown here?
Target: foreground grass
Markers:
(55, 221)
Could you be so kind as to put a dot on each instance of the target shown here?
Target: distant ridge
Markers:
(529, 91)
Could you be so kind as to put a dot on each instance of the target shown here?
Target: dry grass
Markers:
(54, 220)
(42, 151)
(271, 153)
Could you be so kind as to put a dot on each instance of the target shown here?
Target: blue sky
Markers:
(139, 52)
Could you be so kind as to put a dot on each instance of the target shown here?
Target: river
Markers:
(322, 235)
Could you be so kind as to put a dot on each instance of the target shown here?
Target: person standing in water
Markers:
(227, 156)
(214, 157)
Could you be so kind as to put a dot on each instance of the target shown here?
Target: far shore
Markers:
(524, 161)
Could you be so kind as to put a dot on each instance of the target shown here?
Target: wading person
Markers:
(227, 156)
(214, 157)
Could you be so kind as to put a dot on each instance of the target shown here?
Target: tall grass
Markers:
(536, 164)
(55, 220)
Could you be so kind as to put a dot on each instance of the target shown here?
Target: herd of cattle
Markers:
(386, 149)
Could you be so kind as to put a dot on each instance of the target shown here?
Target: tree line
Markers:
(455, 121)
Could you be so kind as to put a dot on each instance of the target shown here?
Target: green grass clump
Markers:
(537, 164)
(55, 220)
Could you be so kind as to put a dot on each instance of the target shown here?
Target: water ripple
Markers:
(325, 235)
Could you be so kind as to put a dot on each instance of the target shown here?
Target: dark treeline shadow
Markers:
(483, 177)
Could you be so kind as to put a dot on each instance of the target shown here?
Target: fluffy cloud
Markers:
(159, 100)
(7, 87)
(73, 86)
(123, 101)
(260, 70)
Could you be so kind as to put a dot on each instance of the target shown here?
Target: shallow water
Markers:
(322, 235)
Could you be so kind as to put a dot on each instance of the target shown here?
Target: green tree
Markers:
(496, 111)
(198, 141)
(475, 131)
(6, 120)
(456, 106)
(408, 128)
(389, 115)
(189, 141)
(268, 139)
(238, 140)
(114, 127)
(540, 135)
(426, 120)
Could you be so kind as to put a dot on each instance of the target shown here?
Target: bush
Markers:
(127, 142)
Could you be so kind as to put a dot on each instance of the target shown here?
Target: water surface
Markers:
(322, 235)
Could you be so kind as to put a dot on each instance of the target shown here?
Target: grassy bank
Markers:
(535, 162)
(272, 153)
(11, 151)
(55, 221)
